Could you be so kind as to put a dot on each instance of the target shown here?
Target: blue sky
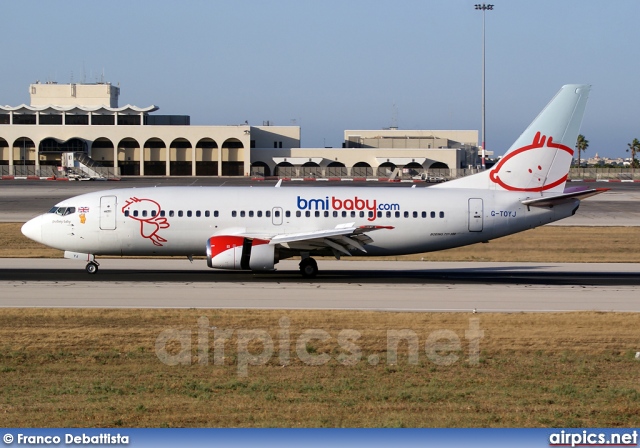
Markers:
(332, 65)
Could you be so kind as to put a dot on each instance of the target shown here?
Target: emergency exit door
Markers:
(108, 212)
(475, 215)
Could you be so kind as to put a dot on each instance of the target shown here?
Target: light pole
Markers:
(482, 7)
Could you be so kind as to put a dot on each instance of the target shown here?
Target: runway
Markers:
(352, 285)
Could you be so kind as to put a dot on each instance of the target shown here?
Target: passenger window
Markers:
(198, 214)
(135, 213)
(353, 214)
(433, 214)
(162, 213)
(335, 214)
(287, 214)
(276, 213)
(153, 213)
(415, 214)
(370, 214)
(126, 213)
(379, 214)
(344, 214)
(171, 213)
(317, 213)
(307, 213)
(144, 213)
(298, 214)
(442, 214)
(250, 213)
(216, 214)
(234, 213)
(326, 214)
(397, 214)
(361, 214)
(180, 213)
(207, 213)
(388, 214)
(406, 214)
(267, 213)
(242, 213)
(424, 214)
(189, 213)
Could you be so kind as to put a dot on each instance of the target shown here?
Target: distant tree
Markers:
(634, 147)
(581, 145)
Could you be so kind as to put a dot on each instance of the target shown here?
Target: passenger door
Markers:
(475, 215)
(108, 213)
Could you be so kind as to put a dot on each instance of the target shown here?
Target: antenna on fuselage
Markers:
(279, 183)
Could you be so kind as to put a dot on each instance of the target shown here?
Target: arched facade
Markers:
(361, 169)
(180, 157)
(310, 169)
(102, 151)
(260, 169)
(412, 169)
(232, 157)
(128, 157)
(5, 154)
(155, 157)
(385, 169)
(285, 169)
(336, 169)
(24, 151)
(206, 157)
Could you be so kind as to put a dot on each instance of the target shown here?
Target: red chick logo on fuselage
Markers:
(528, 171)
(149, 224)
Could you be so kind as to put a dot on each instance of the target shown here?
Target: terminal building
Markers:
(136, 141)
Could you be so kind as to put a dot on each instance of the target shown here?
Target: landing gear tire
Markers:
(308, 268)
(91, 268)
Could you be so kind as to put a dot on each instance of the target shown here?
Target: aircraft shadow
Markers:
(489, 275)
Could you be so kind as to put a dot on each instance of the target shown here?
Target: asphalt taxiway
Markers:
(352, 285)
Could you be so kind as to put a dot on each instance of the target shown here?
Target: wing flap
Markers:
(340, 239)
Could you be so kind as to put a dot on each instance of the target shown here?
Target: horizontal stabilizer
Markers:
(563, 198)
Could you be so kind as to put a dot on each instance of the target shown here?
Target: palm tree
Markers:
(581, 145)
(634, 147)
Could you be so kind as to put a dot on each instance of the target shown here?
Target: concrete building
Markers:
(134, 140)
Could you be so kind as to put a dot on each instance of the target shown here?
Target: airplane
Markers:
(252, 228)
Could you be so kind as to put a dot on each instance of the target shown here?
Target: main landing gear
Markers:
(308, 267)
(92, 267)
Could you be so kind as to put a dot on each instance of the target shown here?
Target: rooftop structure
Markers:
(86, 118)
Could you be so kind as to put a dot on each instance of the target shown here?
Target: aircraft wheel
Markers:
(308, 268)
(91, 268)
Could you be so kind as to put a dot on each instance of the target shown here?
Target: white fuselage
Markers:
(180, 220)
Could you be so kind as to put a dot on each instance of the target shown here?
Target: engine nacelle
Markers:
(237, 252)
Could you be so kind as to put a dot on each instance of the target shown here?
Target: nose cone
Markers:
(32, 229)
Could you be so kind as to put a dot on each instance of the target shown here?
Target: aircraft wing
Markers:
(562, 198)
(339, 240)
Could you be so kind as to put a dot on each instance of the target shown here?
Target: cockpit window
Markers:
(63, 211)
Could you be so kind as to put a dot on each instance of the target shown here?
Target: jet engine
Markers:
(238, 252)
